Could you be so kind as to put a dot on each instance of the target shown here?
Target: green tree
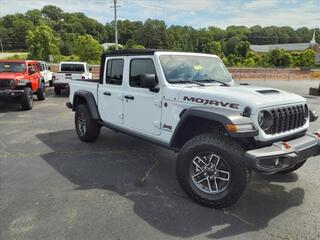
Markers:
(152, 34)
(243, 48)
(87, 48)
(305, 59)
(52, 13)
(42, 42)
(213, 48)
(279, 58)
(132, 45)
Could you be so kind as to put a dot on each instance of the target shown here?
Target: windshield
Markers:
(179, 68)
(71, 67)
(12, 67)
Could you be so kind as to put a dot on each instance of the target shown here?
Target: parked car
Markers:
(45, 71)
(20, 80)
(189, 103)
(69, 71)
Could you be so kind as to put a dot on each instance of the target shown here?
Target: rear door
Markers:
(110, 102)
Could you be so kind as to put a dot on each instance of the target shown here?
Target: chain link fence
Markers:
(250, 73)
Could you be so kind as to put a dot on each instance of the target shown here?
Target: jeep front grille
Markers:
(6, 84)
(287, 118)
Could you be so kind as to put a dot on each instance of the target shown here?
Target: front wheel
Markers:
(41, 94)
(88, 130)
(27, 99)
(210, 169)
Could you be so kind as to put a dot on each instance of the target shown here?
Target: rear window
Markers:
(12, 67)
(69, 67)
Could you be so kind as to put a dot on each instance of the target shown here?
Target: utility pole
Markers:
(1, 45)
(115, 23)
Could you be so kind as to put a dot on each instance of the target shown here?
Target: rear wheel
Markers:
(57, 90)
(41, 94)
(88, 130)
(210, 169)
(27, 99)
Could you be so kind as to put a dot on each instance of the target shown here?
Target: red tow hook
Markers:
(286, 145)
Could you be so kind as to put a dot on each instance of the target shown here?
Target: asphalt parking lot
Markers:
(55, 187)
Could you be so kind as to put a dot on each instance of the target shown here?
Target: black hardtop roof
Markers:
(133, 52)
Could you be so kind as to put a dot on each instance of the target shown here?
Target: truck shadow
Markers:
(6, 106)
(145, 174)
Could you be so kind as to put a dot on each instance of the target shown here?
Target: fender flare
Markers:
(221, 116)
(90, 100)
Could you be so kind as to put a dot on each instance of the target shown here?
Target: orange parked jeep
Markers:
(20, 80)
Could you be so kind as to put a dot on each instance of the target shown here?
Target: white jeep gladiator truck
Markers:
(188, 102)
(69, 71)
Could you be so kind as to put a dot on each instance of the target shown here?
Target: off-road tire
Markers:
(26, 100)
(231, 152)
(290, 170)
(92, 128)
(41, 93)
(57, 90)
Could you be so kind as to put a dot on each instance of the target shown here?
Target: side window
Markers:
(140, 67)
(114, 71)
(31, 68)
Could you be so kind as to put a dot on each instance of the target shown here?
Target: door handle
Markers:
(107, 93)
(129, 97)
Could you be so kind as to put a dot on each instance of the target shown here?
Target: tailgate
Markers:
(72, 76)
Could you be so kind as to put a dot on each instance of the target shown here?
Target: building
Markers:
(298, 47)
(107, 45)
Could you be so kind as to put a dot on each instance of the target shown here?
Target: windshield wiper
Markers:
(214, 80)
(188, 81)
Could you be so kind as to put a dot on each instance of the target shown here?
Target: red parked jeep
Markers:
(20, 79)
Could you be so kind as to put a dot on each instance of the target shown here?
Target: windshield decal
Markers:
(211, 102)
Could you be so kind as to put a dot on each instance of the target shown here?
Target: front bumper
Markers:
(11, 93)
(283, 155)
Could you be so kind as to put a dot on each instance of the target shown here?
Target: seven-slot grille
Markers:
(6, 84)
(287, 118)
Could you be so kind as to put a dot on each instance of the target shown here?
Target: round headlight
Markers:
(265, 119)
(12, 83)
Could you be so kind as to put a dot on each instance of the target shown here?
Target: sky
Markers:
(196, 13)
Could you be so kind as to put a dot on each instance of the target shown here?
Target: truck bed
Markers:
(90, 85)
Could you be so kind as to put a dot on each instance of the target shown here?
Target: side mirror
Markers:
(49, 68)
(31, 71)
(90, 69)
(148, 81)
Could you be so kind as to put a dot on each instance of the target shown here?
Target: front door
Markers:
(110, 100)
(34, 74)
(142, 107)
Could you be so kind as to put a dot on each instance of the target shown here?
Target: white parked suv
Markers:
(67, 72)
(45, 71)
(189, 103)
